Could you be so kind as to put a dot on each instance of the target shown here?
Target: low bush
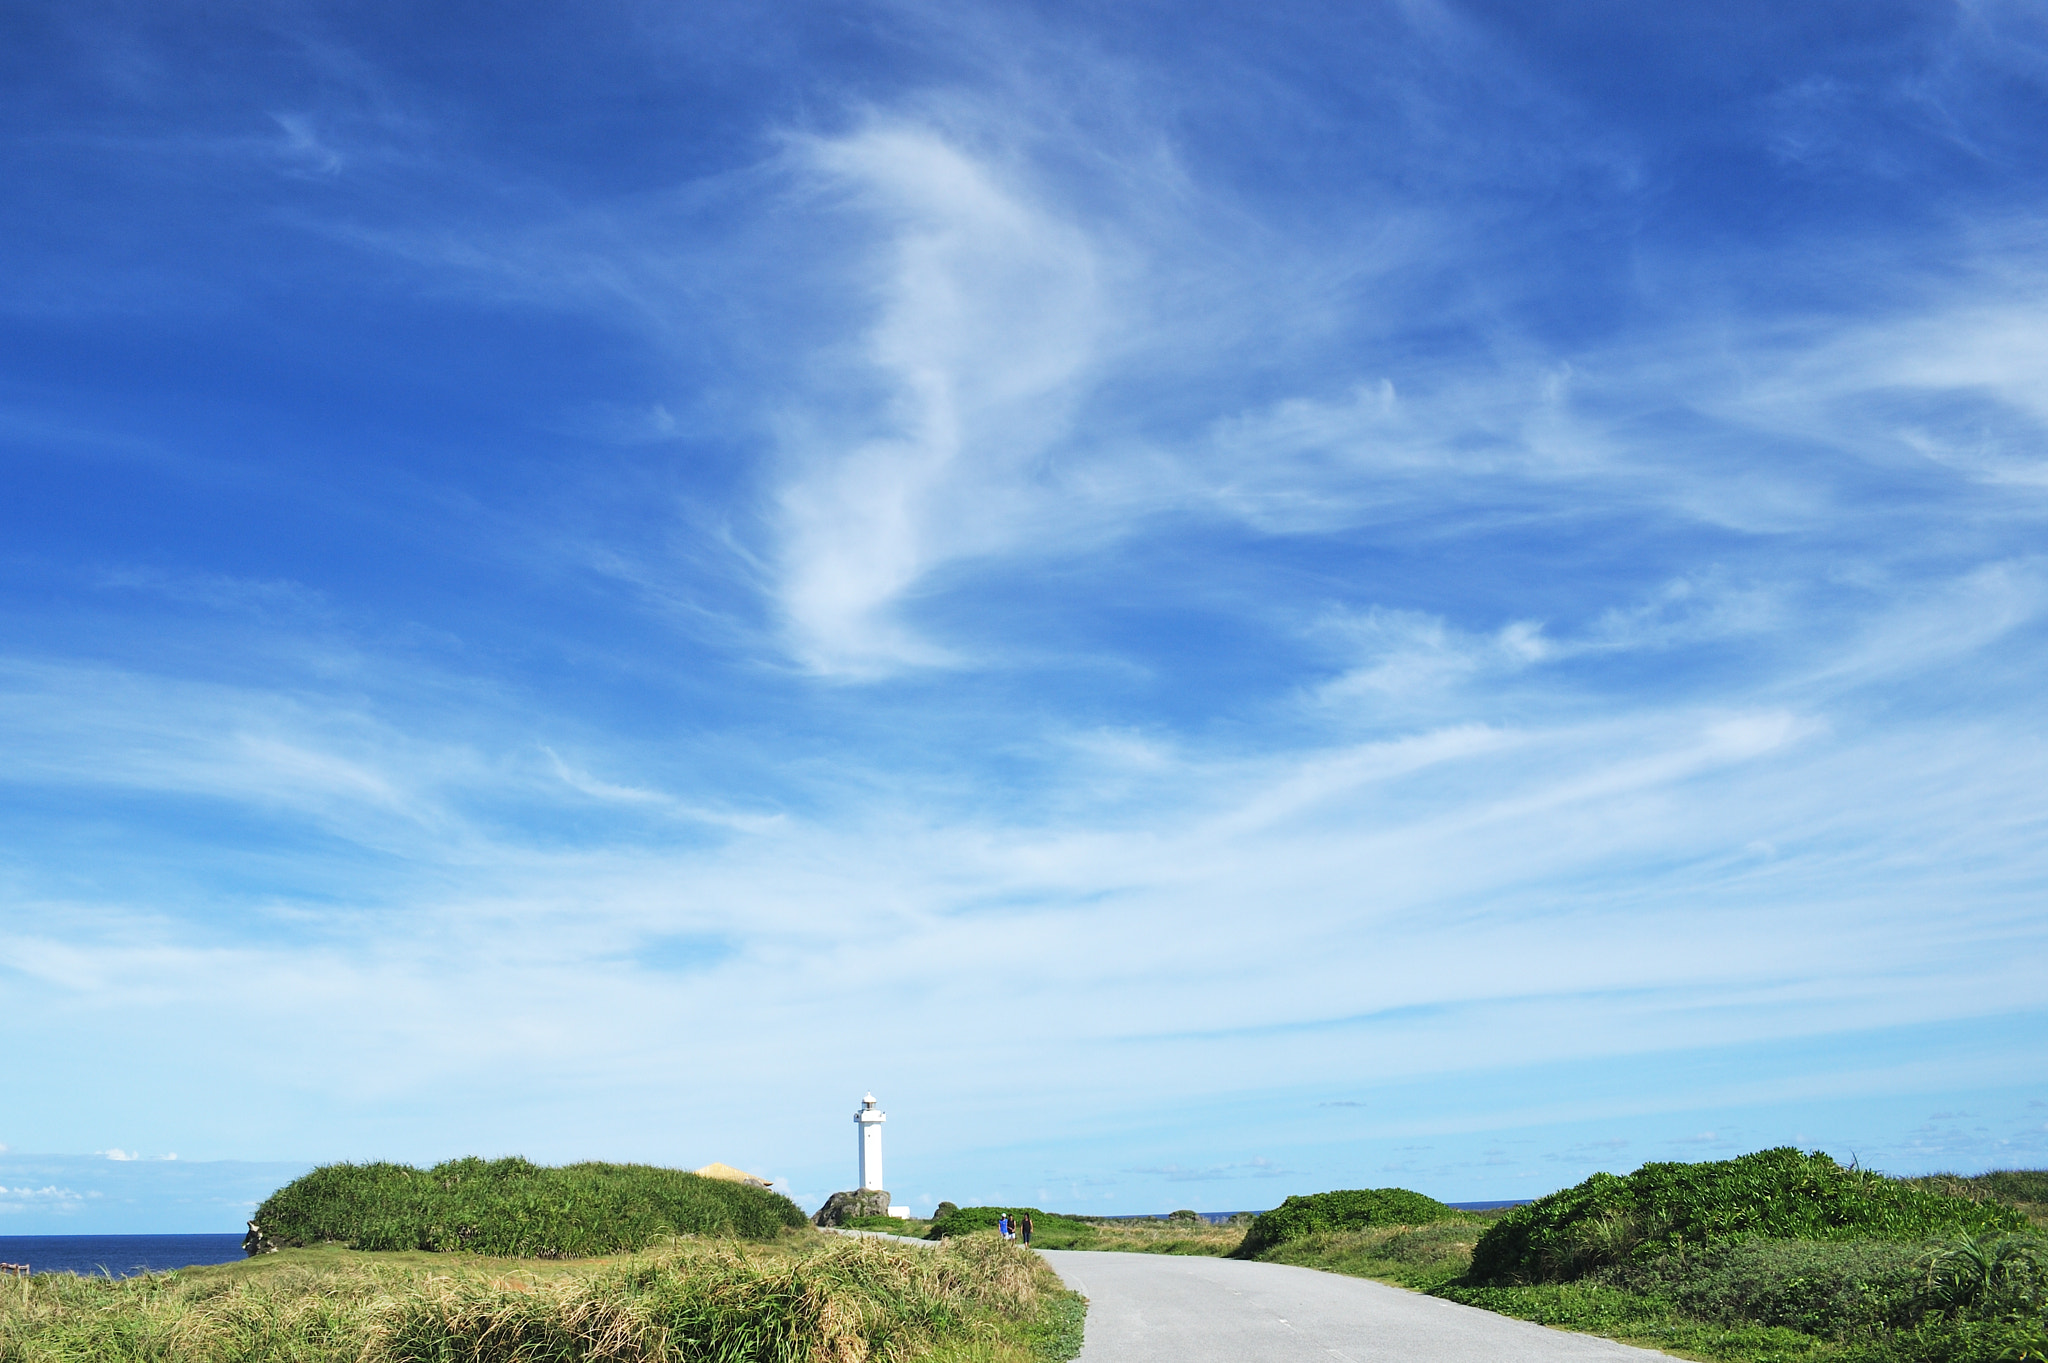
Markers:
(1670, 1208)
(513, 1208)
(1352, 1209)
(1818, 1287)
(888, 1225)
(1049, 1230)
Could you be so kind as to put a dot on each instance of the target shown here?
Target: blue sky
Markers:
(1213, 601)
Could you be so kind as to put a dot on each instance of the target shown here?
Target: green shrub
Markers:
(514, 1208)
(1351, 1209)
(1944, 1340)
(1872, 1294)
(888, 1225)
(1049, 1230)
(1818, 1287)
(1666, 1208)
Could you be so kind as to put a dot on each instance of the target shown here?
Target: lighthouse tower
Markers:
(869, 1199)
(870, 1123)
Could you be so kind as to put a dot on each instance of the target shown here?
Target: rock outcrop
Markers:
(843, 1207)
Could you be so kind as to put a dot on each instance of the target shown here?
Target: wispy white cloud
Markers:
(1956, 381)
(1410, 842)
(987, 317)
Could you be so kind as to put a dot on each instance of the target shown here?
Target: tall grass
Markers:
(1421, 1257)
(2024, 1190)
(1149, 1236)
(810, 1299)
(512, 1207)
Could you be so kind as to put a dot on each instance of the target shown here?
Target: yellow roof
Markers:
(731, 1175)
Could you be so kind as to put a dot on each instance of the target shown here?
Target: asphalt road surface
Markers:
(1167, 1308)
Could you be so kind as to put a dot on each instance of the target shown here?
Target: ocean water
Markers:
(119, 1256)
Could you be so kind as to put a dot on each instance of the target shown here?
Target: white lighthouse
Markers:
(870, 1123)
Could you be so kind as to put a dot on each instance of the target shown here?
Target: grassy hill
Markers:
(1774, 1256)
(1350, 1209)
(1665, 1208)
(514, 1208)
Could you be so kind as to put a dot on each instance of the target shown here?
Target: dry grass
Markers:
(1163, 1237)
(808, 1299)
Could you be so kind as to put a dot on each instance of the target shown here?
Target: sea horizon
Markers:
(120, 1256)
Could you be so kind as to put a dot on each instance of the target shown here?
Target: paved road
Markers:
(1164, 1308)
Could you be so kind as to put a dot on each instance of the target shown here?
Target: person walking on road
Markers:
(1027, 1228)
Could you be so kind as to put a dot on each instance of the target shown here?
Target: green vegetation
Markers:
(1151, 1235)
(2024, 1190)
(1829, 1301)
(1422, 1257)
(514, 1208)
(807, 1297)
(1353, 1209)
(1775, 1256)
(1048, 1229)
(1665, 1209)
(889, 1225)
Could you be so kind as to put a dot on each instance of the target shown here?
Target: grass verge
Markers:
(809, 1298)
(1750, 1300)
(1162, 1237)
(1049, 1230)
